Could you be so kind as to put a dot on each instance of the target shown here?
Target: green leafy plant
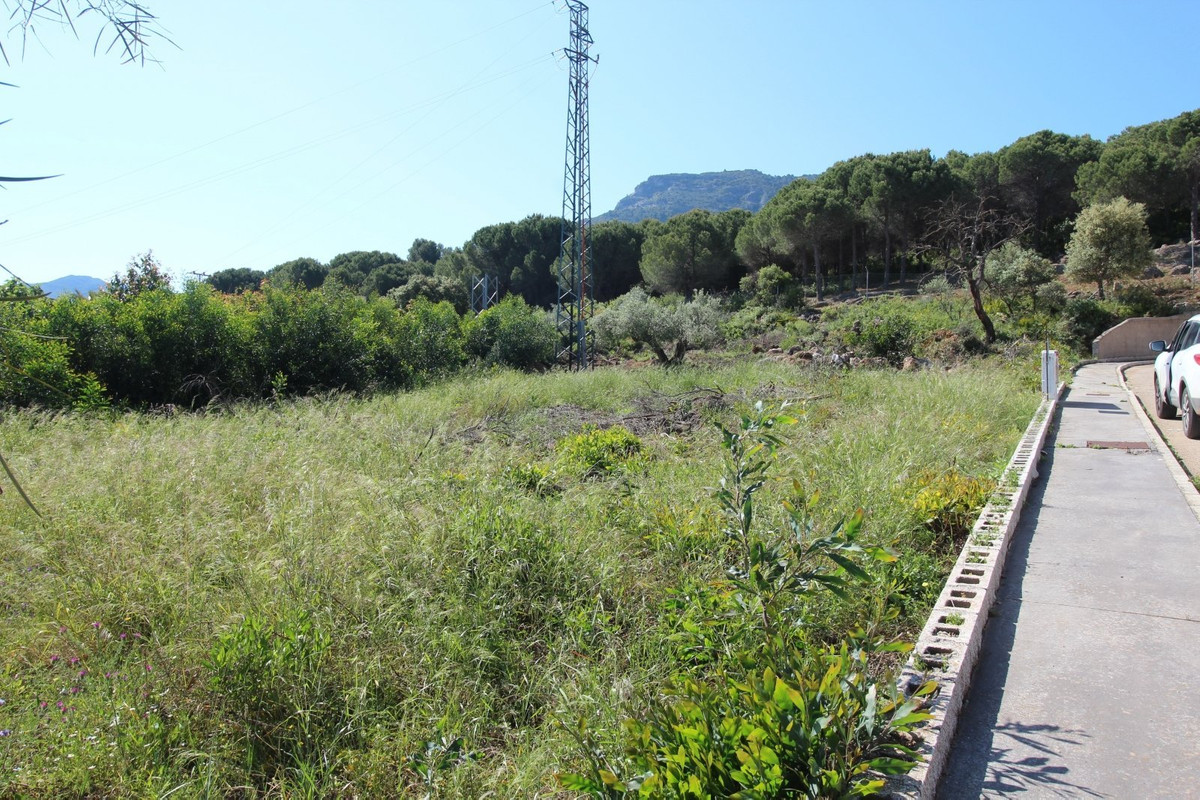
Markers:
(597, 452)
(775, 721)
(947, 502)
(535, 478)
(271, 676)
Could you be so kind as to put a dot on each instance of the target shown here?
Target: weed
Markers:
(776, 722)
(948, 502)
(595, 453)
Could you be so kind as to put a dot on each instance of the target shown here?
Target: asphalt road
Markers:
(1140, 379)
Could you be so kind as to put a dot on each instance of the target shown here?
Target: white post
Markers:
(1049, 372)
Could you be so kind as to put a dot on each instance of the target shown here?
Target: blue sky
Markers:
(285, 129)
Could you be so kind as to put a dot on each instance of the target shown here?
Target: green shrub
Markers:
(36, 367)
(1140, 300)
(772, 286)
(755, 320)
(1084, 319)
(948, 502)
(892, 336)
(669, 326)
(434, 288)
(800, 727)
(779, 722)
(595, 452)
(429, 339)
(534, 478)
(512, 334)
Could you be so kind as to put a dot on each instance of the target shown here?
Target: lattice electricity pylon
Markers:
(484, 291)
(575, 304)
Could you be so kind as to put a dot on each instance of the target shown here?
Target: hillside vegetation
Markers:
(424, 592)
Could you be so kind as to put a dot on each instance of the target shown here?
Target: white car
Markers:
(1177, 377)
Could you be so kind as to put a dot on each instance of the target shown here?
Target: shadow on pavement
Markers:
(979, 764)
(1095, 405)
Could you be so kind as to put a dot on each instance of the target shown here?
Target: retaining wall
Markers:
(1131, 338)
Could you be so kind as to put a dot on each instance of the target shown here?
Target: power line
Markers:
(287, 113)
(268, 159)
(320, 195)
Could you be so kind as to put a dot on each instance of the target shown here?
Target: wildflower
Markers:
(5, 732)
(96, 625)
(54, 660)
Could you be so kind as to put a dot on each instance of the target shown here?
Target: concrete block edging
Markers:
(948, 645)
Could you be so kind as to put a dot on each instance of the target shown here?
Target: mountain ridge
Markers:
(72, 284)
(664, 196)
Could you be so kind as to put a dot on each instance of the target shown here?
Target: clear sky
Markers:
(284, 129)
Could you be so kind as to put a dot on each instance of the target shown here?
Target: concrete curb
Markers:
(949, 643)
(1190, 495)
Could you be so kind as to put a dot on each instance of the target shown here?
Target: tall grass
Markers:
(370, 596)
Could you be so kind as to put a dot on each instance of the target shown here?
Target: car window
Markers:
(1185, 338)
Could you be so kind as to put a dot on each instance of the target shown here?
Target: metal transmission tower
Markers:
(575, 303)
(484, 291)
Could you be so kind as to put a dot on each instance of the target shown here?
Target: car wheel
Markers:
(1191, 420)
(1162, 408)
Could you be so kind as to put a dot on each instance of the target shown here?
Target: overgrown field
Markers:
(409, 594)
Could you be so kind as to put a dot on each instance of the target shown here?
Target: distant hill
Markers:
(665, 196)
(72, 284)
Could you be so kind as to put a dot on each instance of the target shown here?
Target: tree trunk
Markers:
(989, 330)
(854, 256)
(887, 256)
(1195, 213)
(1100, 289)
(820, 278)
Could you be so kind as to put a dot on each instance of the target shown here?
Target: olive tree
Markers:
(669, 327)
(1110, 241)
(1015, 274)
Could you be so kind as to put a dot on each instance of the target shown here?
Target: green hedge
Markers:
(198, 346)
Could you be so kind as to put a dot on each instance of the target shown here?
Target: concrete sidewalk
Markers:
(1088, 683)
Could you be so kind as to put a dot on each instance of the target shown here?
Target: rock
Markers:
(1181, 269)
(794, 349)
(1152, 272)
(912, 364)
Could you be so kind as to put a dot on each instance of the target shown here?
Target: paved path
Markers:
(1088, 683)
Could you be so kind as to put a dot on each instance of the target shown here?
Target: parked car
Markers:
(1177, 377)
